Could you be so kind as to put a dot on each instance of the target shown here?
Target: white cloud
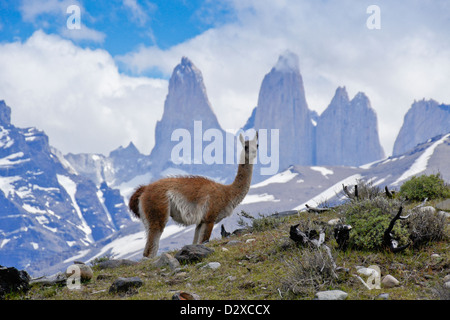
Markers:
(84, 33)
(409, 58)
(138, 12)
(31, 10)
(38, 11)
(77, 96)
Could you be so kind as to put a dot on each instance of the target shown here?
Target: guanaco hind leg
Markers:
(203, 232)
(152, 245)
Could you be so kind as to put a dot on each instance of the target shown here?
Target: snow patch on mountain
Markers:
(71, 189)
(421, 163)
(281, 177)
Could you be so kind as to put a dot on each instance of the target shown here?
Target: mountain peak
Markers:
(424, 120)
(340, 97)
(287, 62)
(130, 150)
(185, 61)
(5, 114)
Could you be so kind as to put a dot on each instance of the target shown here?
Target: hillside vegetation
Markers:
(263, 262)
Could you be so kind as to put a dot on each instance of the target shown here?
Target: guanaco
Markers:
(192, 200)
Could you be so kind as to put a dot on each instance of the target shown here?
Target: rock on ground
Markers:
(331, 295)
(13, 280)
(166, 260)
(389, 282)
(193, 253)
(86, 272)
(124, 285)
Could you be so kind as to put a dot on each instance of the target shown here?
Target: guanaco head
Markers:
(250, 149)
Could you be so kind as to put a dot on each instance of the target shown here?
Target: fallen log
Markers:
(316, 210)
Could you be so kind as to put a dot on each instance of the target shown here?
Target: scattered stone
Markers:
(367, 271)
(447, 278)
(111, 264)
(250, 240)
(185, 296)
(383, 296)
(389, 281)
(334, 222)
(86, 273)
(192, 253)
(231, 278)
(331, 295)
(13, 280)
(126, 285)
(167, 260)
(225, 249)
(447, 285)
(212, 265)
(436, 257)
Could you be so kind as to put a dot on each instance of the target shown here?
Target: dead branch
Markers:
(307, 237)
(342, 235)
(389, 194)
(349, 194)
(388, 239)
(316, 210)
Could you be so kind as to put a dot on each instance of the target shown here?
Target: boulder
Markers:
(13, 280)
(86, 272)
(389, 282)
(212, 265)
(192, 253)
(125, 285)
(166, 260)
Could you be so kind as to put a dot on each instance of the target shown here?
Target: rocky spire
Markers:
(282, 105)
(186, 107)
(347, 132)
(5, 114)
(424, 120)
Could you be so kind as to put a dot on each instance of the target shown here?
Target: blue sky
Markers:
(94, 89)
(122, 26)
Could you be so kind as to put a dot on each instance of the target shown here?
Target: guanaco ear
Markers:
(241, 138)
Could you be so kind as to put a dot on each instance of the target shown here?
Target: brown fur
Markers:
(133, 204)
(190, 200)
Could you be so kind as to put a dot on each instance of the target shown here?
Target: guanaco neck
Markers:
(241, 183)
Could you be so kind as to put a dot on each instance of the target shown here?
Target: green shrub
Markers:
(369, 219)
(425, 186)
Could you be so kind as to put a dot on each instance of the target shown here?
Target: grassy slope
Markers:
(257, 269)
